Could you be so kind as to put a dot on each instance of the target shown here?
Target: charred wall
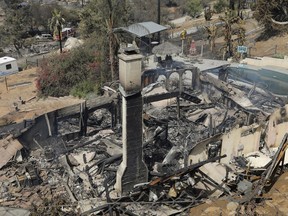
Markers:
(45, 126)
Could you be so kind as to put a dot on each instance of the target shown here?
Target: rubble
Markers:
(211, 142)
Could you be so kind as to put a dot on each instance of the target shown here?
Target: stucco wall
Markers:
(277, 127)
(240, 141)
(267, 61)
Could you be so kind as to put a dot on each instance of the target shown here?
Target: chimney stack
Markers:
(132, 170)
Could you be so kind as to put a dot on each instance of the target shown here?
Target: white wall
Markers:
(267, 61)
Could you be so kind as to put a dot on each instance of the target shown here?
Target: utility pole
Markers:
(158, 18)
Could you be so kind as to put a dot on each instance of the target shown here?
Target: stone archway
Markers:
(187, 78)
(173, 81)
(163, 80)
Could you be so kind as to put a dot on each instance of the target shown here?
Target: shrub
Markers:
(220, 6)
(253, 6)
(72, 72)
(82, 89)
(278, 55)
(194, 8)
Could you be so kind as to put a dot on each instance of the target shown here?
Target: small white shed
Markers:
(8, 65)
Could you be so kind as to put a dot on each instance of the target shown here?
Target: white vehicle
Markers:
(44, 37)
(8, 65)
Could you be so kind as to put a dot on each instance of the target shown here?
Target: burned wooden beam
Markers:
(168, 95)
(101, 102)
(16, 129)
(212, 182)
(278, 157)
(158, 97)
(68, 112)
(190, 98)
(180, 172)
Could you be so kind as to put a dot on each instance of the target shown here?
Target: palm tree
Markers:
(212, 33)
(229, 19)
(102, 17)
(56, 25)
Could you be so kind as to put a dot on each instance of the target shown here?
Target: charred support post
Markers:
(159, 17)
(83, 119)
(132, 170)
(118, 110)
(181, 83)
(48, 124)
(113, 111)
(223, 74)
(196, 84)
(178, 108)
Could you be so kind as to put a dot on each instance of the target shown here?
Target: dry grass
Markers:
(22, 85)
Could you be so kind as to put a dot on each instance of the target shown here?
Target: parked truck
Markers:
(65, 33)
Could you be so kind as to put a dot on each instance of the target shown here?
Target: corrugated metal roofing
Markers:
(6, 59)
(142, 29)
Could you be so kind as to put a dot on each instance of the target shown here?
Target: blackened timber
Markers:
(190, 98)
(280, 154)
(214, 183)
(68, 112)
(16, 129)
(179, 173)
(91, 106)
(168, 95)
(183, 171)
(158, 97)
(79, 146)
(100, 102)
(83, 119)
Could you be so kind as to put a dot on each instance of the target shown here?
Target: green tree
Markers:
(56, 25)
(98, 19)
(40, 13)
(220, 6)
(194, 7)
(16, 24)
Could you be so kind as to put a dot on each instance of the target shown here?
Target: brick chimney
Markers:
(132, 170)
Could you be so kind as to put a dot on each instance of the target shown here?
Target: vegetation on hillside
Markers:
(266, 11)
(220, 6)
(98, 19)
(194, 8)
(77, 72)
(23, 21)
(232, 26)
(83, 70)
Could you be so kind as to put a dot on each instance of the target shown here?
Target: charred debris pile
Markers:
(204, 137)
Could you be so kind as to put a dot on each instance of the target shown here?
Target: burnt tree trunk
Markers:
(60, 39)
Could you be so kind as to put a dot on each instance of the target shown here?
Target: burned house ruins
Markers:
(169, 139)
